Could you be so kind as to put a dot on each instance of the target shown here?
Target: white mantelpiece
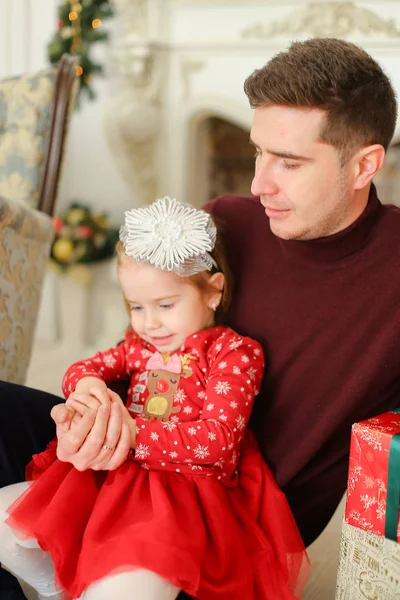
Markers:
(176, 62)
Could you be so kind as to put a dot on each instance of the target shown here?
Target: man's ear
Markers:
(368, 162)
(215, 286)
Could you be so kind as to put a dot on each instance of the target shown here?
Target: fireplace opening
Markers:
(222, 160)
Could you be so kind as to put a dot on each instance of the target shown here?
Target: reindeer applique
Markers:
(162, 382)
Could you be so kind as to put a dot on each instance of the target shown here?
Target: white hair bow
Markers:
(170, 235)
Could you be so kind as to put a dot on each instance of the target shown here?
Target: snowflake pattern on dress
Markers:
(109, 360)
(179, 396)
(214, 402)
(222, 387)
(142, 451)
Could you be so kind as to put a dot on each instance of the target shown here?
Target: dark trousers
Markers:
(25, 429)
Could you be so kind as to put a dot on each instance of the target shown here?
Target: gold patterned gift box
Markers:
(369, 566)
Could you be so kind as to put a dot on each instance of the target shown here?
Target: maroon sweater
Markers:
(327, 313)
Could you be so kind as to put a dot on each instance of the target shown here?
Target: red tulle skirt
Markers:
(213, 542)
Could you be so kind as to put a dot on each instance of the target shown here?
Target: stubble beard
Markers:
(328, 222)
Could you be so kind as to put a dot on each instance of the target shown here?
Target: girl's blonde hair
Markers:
(200, 280)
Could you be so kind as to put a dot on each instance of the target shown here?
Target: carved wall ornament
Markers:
(188, 68)
(132, 115)
(135, 16)
(327, 19)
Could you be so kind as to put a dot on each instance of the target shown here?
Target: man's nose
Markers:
(263, 183)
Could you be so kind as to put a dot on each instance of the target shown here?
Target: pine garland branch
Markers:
(80, 25)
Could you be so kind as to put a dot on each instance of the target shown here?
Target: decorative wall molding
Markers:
(188, 68)
(132, 120)
(326, 19)
(135, 17)
(132, 116)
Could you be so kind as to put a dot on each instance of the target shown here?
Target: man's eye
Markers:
(290, 166)
(166, 306)
(136, 308)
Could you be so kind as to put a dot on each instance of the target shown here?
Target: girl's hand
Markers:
(94, 397)
(81, 403)
(86, 388)
(126, 416)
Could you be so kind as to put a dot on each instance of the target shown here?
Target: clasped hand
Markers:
(94, 429)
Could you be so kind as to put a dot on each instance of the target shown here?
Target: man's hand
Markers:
(81, 403)
(100, 440)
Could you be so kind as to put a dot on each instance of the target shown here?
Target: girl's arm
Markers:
(103, 367)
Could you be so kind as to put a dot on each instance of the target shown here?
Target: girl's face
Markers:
(166, 309)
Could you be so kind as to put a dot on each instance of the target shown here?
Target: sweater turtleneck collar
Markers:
(343, 244)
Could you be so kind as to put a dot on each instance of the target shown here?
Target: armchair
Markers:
(34, 113)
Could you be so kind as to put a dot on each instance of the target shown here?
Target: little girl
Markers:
(182, 512)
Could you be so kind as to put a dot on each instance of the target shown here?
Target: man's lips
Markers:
(276, 213)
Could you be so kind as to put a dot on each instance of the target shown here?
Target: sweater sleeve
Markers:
(107, 366)
(234, 379)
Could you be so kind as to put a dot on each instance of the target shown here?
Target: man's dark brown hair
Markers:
(337, 77)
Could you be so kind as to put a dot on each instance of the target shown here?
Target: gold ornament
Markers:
(63, 249)
(97, 23)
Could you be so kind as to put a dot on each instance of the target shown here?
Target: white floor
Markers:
(48, 364)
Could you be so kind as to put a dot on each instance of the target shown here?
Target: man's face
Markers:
(303, 188)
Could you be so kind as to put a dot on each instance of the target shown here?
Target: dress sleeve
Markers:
(107, 366)
(234, 379)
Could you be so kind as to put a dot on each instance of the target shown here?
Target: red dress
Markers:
(183, 505)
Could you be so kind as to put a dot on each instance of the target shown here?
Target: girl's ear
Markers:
(215, 285)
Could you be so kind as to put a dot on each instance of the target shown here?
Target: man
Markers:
(316, 259)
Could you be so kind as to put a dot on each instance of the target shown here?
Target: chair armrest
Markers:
(25, 221)
(25, 240)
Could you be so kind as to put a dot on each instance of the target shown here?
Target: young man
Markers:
(316, 259)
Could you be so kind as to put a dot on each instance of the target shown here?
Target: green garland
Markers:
(80, 25)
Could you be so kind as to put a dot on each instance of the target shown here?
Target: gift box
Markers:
(369, 563)
(369, 566)
(373, 489)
